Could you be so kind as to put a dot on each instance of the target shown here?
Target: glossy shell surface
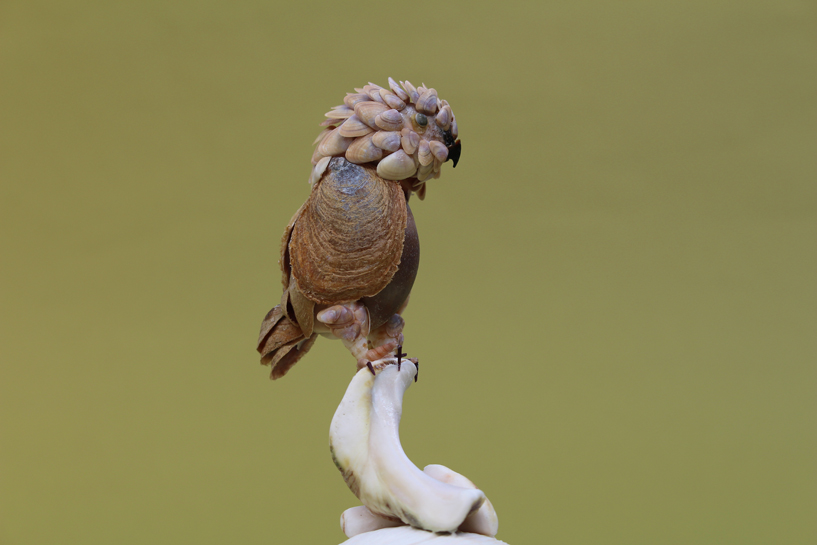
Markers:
(425, 123)
(347, 240)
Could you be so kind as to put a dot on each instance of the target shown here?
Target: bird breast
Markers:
(347, 241)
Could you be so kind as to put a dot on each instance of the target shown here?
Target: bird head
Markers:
(407, 131)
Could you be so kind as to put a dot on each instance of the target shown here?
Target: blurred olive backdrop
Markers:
(615, 309)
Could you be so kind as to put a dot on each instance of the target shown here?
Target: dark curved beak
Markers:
(454, 152)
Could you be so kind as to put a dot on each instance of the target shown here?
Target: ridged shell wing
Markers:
(347, 241)
(286, 266)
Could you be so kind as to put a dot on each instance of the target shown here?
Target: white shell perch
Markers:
(365, 444)
(405, 535)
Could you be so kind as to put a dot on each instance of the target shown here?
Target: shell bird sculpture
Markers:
(349, 255)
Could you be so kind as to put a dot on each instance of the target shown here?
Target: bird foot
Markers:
(349, 323)
(397, 360)
(386, 338)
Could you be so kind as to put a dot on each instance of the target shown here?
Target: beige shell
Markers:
(340, 112)
(354, 127)
(425, 172)
(363, 150)
(334, 144)
(444, 118)
(397, 90)
(411, 125)
(373, 91)
(368, 111)
(391, 100)
(427, 103)
(316, 156)
(411, 90)
(438, 149)
(409, 140)
(387, 140)
(424, 153)
(390, 120)
(318, 170)
(353, 98)
(335, 255)
(397, 166)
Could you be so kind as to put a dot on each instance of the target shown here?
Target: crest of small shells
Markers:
(407, 131)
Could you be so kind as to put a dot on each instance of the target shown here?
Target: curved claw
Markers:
(382, 351)
(386, 338)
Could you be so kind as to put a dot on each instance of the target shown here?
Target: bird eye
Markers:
(421, 119)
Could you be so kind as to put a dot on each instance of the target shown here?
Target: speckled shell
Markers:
(348, 238)
(415, 112)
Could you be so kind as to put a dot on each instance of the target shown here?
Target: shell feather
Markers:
(399, 126)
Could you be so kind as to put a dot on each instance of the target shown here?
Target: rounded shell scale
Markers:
(424, 153)
(354, 127)
(425, 172)
(318, 170)
(316, 156)
(397, 90)
(339, 112)
(348, 239)
(443, 118)
(353, 98)
(397, 166)
(368, 111)
(410, 140)
(427, 103)
(390, 120)
(392, 100)
(373, 91)
(439, 150)
(411, 90)
(387, 140)
(363, 150)
(334, 144)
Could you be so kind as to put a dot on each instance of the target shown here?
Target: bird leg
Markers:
(385, 339)
(350, 323)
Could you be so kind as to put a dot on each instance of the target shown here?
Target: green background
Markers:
(616, 306)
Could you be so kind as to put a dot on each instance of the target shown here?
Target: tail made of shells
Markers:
(281, 342)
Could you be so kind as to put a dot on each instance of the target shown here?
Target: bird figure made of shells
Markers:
(350, 254)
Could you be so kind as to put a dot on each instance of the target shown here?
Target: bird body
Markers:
(339, 256)
(349, 256)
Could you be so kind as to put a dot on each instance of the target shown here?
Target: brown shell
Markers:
(281, 342)
(348, 238)
(286, 267)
